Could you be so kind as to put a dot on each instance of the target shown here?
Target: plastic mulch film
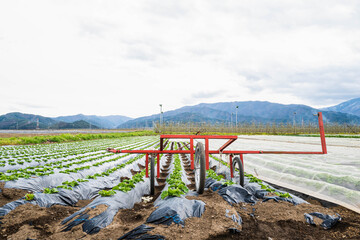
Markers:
(118, 201)
(85, 190)
(328, 220)
(39, 183)
(141, 232)
(176, 209)
(232, 194)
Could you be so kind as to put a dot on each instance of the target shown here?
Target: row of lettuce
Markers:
(69, 185)
(18, 155)
(48, 168)
(128, 184)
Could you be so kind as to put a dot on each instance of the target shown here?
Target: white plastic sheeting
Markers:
(334, 177)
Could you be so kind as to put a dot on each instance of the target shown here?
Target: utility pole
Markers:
(294, 123)
(236, 114)
(160, 116)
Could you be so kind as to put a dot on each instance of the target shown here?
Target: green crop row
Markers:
(176, 186)
(46, 171)
(127, 184)
(70, 185)
(55, 153)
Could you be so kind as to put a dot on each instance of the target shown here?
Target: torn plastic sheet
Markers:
(234, 230)
(235, 218)
(176, 209)
(328, 220)
(236, 194)
(255, 189)
(118, 201)
(79, 220)
(232, 194)
(309, 219)
(140, 232)
(213, 184)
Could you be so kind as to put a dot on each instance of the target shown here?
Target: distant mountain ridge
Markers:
(249, 111)
(17, 120)
(81, 124)
(352, 107)
(111, 121)
(223, 112)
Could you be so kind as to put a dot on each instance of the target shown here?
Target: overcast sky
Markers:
(118, 57)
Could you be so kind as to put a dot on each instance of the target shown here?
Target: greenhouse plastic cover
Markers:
(334, 177)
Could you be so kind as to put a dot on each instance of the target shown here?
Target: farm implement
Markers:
(200, 155)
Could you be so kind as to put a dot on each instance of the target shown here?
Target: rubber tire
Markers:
(199, 163)
(238, 165)
(152, 175)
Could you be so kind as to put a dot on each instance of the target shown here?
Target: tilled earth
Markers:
(268, 220)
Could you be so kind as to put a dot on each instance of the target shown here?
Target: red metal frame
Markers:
(221, 150)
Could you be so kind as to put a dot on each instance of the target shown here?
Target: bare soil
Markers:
(10, 194)
(268, 220)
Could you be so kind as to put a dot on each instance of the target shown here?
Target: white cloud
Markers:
(126, 57)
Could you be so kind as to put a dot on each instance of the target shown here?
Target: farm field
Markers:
(78, 190)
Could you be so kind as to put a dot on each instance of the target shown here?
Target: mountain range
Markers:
(253, 112)
(18, 120)
(352, 107)
(224, 112)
